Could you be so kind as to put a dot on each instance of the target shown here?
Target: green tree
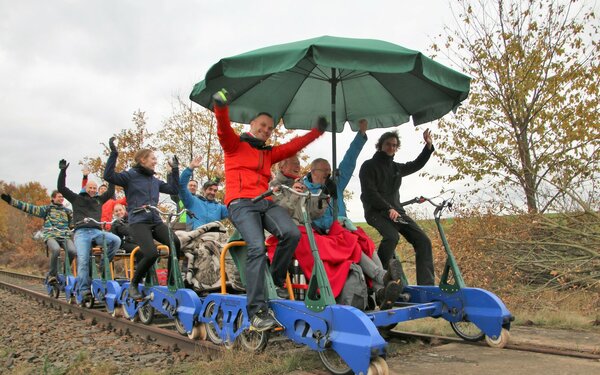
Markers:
(531, 121)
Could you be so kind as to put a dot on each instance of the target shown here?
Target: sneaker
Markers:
(389, 295)
(52, 280)
(282, 292)
(262, 321)
(134, 293)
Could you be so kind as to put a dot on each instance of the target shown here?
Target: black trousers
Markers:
(144, 235)
(390, 232)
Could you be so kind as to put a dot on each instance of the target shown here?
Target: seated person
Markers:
(121, 229)
(341, 246)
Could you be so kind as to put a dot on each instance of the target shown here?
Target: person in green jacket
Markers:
(56, 231)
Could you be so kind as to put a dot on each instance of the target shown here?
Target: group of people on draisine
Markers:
(248, 173)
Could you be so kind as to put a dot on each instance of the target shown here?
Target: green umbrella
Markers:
(351, 78)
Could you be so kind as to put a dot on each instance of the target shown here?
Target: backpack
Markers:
(354, 292)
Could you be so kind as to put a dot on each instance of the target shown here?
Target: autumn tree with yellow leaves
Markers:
(531, 122)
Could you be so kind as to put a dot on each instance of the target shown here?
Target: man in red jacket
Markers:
(248, 163)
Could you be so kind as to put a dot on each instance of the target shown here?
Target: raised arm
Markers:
(172, 184)
(61, 186)
(348, 163)
(121, 179)
(184, 193)
(39, 211)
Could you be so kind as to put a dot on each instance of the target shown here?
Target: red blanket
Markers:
(338, 249)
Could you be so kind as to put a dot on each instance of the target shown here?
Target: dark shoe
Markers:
(52, 280)
(262, 321)
(394, 272)
(134, 293)
(389, 295)
(282, 292)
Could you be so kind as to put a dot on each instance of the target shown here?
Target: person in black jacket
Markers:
(380, 180)
(121, 229)
(141, 189)
(87, 204)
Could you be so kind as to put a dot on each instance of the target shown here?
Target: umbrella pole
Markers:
(334, 176)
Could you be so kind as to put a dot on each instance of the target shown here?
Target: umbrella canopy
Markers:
(350, 78)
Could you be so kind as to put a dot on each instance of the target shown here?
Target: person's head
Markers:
(146, 158)
(290, 167)
(388, 143)
(262, 126)
(103, 188)
(57, 197)
(119, 211)
(91, 188)
(210, 189)
(320, 171)
(193, 186)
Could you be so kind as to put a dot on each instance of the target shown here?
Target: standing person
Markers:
(204, 207)
(141, 189)
(87, 204)
(248, 163)
(380, 180)
(56, 231)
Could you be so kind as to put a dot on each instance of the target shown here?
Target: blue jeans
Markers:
(83, 242)
(251, 220)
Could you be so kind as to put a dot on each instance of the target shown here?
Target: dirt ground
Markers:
(469, 359)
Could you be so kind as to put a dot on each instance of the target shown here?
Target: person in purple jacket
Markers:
(142, 189)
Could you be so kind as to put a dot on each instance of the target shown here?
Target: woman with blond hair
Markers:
(142, 188)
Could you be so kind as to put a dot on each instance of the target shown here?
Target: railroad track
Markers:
(31, 286)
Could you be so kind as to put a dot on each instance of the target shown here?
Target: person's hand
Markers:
(393, 214)
(299, 186)
(174, 163)
(85, 170)
(220, 98)
(7, 198)
(196, 162)
(63, 165)
(322, 124)
(111, 144)
(427, 138)
(363, 125)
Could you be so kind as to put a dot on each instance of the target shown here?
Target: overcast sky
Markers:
(73, 72)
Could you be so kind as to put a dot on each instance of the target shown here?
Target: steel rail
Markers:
(582, 353)
(160, 336)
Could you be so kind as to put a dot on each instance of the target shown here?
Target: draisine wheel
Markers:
(501, 341)
(378, 366)
(467, 331)
(334, 363)
(180, 328)
(252, 341)
(146, 314)
(88, 302)
(198, 332)
(212, 329)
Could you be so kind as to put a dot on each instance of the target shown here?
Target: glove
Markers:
(220, 98)
(174, 163)
(322, 124)
(7, 198)
(63, 165)
(111, 144)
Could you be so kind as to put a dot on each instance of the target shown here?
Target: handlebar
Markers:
(439, 207)
(271, 192)
(148, 208)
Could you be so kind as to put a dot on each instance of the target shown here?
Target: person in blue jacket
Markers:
(204, 207)
(141, 189)
(387, 284)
